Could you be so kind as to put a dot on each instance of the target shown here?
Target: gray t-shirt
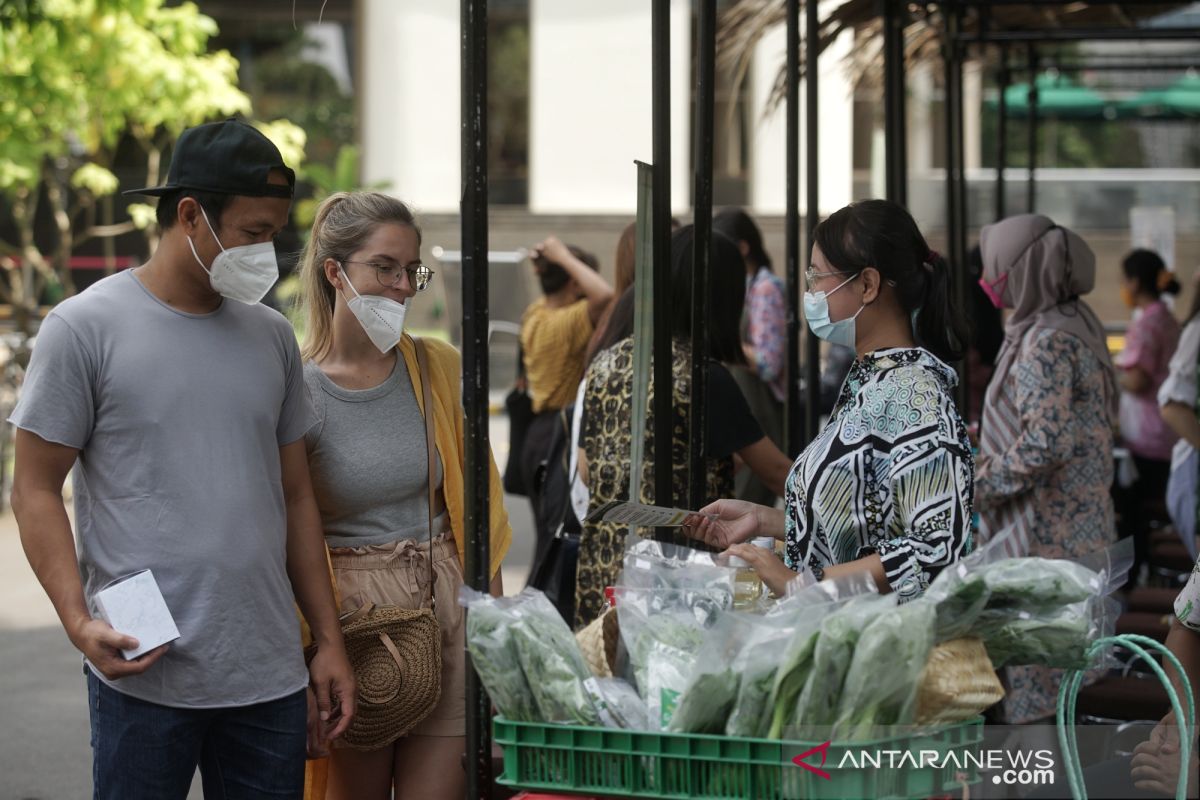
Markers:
(368, 461)
(179, 419)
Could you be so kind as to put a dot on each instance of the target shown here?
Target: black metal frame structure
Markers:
(801, 415)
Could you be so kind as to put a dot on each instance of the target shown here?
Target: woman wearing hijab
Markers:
(1045, 464)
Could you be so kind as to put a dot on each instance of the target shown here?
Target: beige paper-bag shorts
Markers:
(397, 574)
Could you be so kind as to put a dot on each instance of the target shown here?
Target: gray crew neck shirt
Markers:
(178, 419)
(367, 457)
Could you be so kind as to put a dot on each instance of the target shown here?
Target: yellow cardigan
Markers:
(445, 367)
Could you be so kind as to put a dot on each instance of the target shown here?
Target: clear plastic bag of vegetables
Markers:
(885, 671)
(988, 589)
(651, 564)
(788, 669)
(662, 630)
(493, 652)
(832, 649)
(547, 655)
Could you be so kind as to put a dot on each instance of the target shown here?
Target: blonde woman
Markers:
(370, 468)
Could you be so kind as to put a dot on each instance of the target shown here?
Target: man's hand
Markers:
(1155, 765)
(318, 739)
(102, 646)
(552, 249)
(332, 682)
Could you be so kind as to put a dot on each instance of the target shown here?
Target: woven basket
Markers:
(598, 641)
(398, 685)
(959, 682)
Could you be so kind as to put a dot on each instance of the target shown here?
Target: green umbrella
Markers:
(1057, 96)
(1180, 100)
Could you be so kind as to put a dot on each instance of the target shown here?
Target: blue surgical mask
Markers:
(816, 313)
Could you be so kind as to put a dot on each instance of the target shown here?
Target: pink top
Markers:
(1149, 343)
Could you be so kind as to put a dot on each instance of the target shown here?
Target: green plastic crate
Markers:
(621, 763)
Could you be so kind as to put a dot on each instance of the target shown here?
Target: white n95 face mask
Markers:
(244, 273)
(381, 317)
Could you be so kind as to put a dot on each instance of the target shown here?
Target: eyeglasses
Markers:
(388, 275)
(812, 276)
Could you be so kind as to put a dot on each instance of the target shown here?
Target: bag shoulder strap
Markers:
(431, 452)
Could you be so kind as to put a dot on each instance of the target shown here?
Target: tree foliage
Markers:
(76, 77)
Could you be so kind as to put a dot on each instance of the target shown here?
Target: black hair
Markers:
(739, 226)
(726, 294)
(1147, 268)
(553, 277)
(620, 323)
(213, 203)
(883, 235)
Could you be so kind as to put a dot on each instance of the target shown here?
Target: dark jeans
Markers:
(145, 751)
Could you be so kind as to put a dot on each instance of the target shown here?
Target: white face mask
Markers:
(381, 317)
(243, 273)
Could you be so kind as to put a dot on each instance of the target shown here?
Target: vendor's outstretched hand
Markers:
(725, 523)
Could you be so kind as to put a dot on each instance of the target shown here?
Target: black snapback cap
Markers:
(228, 157)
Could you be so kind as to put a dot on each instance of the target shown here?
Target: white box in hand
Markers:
(133, 605)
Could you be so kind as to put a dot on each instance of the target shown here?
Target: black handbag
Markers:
(519, 406)
(555, 561)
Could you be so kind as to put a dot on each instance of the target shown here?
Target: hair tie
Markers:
(1165, 277)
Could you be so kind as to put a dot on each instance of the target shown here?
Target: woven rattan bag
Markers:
(959, 682)
(397, 658)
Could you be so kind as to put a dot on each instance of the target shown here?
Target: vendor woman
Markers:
(886, 487)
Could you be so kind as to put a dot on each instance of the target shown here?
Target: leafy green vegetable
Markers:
(1038, 584)
(884, 673)
(704, 706)
(494, 656)
(818, 702)
(1054, 640)
(552, 662)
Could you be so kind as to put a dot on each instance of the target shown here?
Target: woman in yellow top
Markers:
(371, 469)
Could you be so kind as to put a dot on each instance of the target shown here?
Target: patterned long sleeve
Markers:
(931, 491)
(767, 315)
(1044, 388)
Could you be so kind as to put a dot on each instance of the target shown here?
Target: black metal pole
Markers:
(1004, 78)
(1068, 34)
(1032, 118)
(477, 486)
(793, 431)
(956, 219)
(660, 32)
(894, 101)
(706, 57)
(812, 214)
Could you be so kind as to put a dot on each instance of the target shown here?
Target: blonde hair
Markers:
(344, 222)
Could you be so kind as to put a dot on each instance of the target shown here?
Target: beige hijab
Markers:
(1040, 270)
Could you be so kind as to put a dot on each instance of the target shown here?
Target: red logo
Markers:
(823, 749)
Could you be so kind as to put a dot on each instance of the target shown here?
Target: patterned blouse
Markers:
(1187, 605)
(606, 439)
(1055, 475)
(766, 330)
(892, 473)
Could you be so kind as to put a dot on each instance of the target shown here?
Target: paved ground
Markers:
(44, 750)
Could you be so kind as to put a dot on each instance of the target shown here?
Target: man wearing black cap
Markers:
(179, 400)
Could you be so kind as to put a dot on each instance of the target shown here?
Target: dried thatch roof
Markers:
(744, 25)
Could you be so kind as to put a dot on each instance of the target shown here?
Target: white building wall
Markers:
(835, 140)
(591, 103)
(410, 100)
(590, 107)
